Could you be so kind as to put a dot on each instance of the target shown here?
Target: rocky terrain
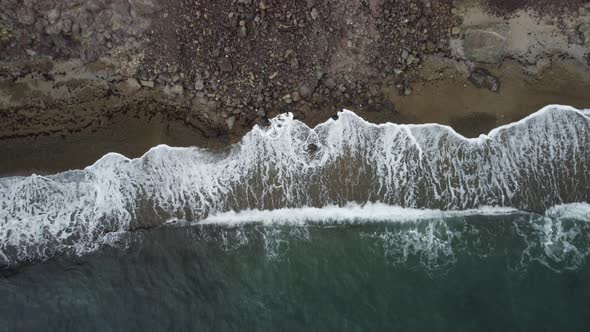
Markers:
(221, 66)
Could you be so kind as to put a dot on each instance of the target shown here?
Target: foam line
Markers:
(350, 214)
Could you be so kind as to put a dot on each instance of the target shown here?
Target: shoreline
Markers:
(51, 155)
(125, 95)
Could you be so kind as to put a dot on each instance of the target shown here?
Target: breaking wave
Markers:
(433, 239)
(537, 163)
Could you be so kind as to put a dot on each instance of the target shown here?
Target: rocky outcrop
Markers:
(486, 43)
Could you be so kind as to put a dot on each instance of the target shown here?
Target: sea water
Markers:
(348, 225)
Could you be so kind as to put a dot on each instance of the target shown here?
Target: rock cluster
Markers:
(251, 59)
(83, 29)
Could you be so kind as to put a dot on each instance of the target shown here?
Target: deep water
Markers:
(498, 272)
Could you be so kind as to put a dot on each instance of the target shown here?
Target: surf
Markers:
(532, 165)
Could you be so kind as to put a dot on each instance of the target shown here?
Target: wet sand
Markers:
(472, 111)
(130, 136)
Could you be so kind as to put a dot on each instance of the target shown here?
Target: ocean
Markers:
(345, 226)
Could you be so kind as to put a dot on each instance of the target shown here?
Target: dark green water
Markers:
(517, 272)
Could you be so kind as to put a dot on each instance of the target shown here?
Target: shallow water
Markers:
(513, 271)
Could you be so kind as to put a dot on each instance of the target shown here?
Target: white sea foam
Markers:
(533, 164)
(435, 239)
(573, 211)
(350, 214)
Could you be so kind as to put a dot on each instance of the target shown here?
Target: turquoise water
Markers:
(469, 273)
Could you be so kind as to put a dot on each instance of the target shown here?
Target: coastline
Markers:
(134, 139)
(64, 112)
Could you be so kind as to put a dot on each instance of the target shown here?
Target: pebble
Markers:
(176, 89)
(307, 90)
(242, 32)
(405, 54)
(260, 112)
(230, 122)
(314, 14)
(225, 65)
(147, 84)
(199, 85)
(330, 83)
(132, 84)
(53, 15)
(287, 98)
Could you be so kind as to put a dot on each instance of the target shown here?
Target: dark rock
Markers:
(311, 148)
(225, 65)
(482, 78)
(212, 132)
(330, 83)
(307, 90)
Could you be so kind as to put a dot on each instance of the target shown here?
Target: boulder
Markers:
(486, 43)
(482, 78)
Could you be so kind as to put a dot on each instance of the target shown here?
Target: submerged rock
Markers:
(311, 148)
(486, 43)
(482, 78)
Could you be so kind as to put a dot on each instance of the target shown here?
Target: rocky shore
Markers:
(213, 69)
